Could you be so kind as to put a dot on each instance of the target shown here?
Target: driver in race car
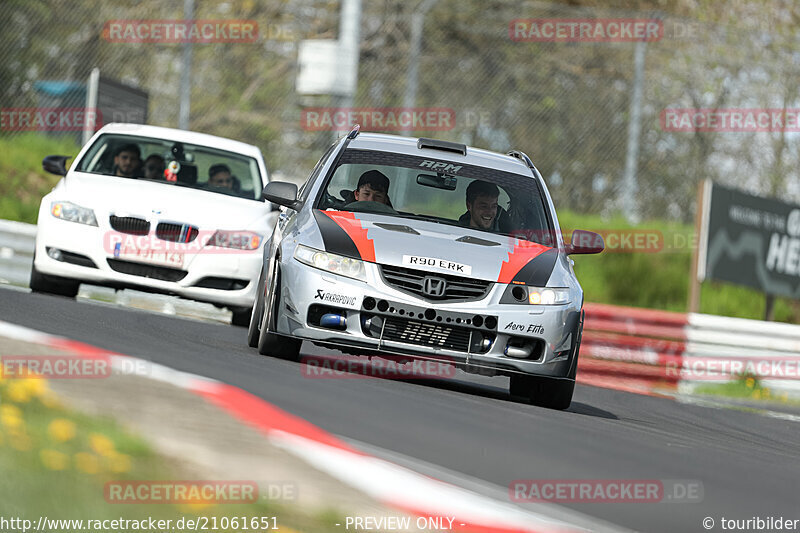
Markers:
(373, 186)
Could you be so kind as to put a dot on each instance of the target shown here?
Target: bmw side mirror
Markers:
(281, 193)
(585, 242)
(55, 164)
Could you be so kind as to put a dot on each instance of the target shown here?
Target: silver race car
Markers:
(430, 249)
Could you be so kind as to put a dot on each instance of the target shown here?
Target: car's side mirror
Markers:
(585, 242)
(55, 164)
(281, 193)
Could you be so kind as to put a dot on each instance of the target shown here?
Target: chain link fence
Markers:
(565, 102)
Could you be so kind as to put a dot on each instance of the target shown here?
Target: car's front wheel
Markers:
(52, 285)
(254, 329)
(241, 316)
(545, 392)
(271, 343)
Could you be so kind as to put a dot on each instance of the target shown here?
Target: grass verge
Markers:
(56, 463)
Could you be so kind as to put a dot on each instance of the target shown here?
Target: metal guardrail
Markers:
(657, 351)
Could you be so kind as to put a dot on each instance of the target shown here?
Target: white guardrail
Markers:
(16, 256)
(770, 350)
(715, 349)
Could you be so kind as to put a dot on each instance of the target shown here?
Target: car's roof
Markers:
(408, 145)
(191, 137)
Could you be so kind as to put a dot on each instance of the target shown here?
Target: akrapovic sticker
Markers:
(419, 261)
(334, 298)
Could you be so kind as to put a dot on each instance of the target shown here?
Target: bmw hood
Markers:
(436, 248)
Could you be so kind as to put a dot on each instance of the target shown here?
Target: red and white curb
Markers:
(393, 485)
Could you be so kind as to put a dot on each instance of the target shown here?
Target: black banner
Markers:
(751, 241)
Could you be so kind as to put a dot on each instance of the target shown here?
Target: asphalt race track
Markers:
(748, 464)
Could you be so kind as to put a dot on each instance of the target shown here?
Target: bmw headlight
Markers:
(336, 264)
(73, 213)
(240, 240)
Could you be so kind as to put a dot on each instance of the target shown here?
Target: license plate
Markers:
(153, 257)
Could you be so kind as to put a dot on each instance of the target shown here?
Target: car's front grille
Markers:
(169, 231)
(131, 225)
(422, 334)
(147, 271)
(413, 281)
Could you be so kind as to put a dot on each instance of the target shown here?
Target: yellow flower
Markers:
(750, 383)
(86, 462)
(10, 416)
(54, 460)
(101, 444)
(18, 391)
(37, 387)
(61, 430)
(119, 463)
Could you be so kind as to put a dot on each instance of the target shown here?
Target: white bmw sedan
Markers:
(158, 210)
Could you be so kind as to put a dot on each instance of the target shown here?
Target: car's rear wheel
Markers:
(545, 392)
(271, 343)
(51, 284)
(254, 329)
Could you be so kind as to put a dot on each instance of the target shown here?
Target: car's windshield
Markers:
(174, 163)
(456, 194)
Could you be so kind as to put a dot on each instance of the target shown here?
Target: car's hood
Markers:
(162, 201)
(436, 248)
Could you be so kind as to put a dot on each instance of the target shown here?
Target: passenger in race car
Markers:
(220, 176)
(483, 212)
(127, 161)
(154, 167)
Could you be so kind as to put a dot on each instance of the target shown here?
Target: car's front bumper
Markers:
(88, 241)
(550, 331)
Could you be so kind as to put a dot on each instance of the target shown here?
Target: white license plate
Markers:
(425, 263)
(153, 257)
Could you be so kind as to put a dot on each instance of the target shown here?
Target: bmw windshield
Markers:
(174, 163)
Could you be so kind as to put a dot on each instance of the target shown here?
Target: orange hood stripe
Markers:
(523, 252)
(358, 233)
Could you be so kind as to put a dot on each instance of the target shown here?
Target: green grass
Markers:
(22, 180)
(745, 388)
(61, 473)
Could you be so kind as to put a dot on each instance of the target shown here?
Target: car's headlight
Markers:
(73, 213)
(337, 264)
(240, 240)
(523, 294)
(547, 296)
